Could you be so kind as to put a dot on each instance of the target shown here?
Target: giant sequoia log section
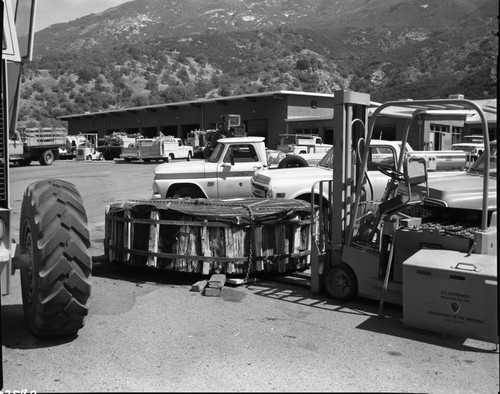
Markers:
(235, 237)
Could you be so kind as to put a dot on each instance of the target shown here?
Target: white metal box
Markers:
(449, 292)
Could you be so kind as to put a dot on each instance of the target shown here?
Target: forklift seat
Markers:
(415, 173)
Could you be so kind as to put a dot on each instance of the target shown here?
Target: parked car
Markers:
(473, 145)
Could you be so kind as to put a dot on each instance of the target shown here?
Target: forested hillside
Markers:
(159, 51)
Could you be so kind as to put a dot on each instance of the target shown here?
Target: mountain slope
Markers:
(151, 51)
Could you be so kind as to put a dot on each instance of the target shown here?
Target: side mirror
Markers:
(231, 159)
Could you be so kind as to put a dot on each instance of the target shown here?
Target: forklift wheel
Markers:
(53, 232)
(341, 282)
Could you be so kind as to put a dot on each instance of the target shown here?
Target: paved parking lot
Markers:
(146, 331)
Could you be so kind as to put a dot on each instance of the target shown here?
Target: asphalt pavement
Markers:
(147, 331)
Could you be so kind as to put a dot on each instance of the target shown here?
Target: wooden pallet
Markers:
(231, 238)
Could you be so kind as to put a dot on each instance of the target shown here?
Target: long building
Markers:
(271, 114)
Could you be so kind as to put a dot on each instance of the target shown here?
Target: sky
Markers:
(59, 11)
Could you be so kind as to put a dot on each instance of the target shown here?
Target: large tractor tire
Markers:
(47, 158)
(293, 161)
(53, 232)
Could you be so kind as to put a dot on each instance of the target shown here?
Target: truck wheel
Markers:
(341, 282)
(47, 158)
(293, 161)
(56, 285)
(187, 191)
(189, 156)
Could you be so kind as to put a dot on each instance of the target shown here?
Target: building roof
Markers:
(489, 107)
(277, 94)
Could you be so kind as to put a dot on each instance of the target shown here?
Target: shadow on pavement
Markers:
(390, 324)
(277, 288)
(395, 327)
(16, 335)
(138, 275)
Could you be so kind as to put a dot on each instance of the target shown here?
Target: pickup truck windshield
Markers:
(327, 160)
(379, 155)
(215, 156)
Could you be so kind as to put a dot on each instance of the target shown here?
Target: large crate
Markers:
(234, 237)
(452, 293)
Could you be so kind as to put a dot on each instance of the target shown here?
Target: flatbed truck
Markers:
(37, 143)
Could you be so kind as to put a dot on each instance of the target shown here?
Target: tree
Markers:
(38, 87)
(66, 84)
(225, 90)
(87, 74)
(152, 84)
(138, 100)
(202, 87)
(177, 93)
(26, 92)
(183, 75)
(303, 64)
(201, 60)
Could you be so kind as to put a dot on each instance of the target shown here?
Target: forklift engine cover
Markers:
(452, 293)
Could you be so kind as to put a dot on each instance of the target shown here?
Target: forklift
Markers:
(87, 148)
(435, 259)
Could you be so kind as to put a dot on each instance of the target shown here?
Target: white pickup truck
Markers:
(225, 174)
(473, 145)
(299, 144)
(165, 148)
(296, 183)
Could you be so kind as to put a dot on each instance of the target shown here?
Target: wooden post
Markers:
(112, 240)
(235, 247)
(205, 249)
(296, 245)
(280, 246)
(259, 263)
(154, 235)
(127, 234)
(107, 232)
(268, 246)
(185, 246)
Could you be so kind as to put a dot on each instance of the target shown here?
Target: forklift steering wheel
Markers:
(390, 172)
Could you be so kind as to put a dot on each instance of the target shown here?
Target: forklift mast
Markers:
(349, 125)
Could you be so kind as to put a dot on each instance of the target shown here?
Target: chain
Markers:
(251, 246)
